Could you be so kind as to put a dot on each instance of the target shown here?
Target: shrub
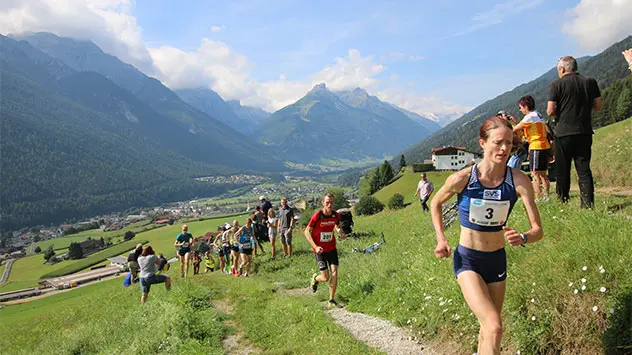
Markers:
(421, 167)
(368, 205)
(37, 250)
(396, 202)
(129, 235)
(305, 217)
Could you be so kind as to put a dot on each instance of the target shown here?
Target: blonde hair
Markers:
(185, 228)
(271, 213)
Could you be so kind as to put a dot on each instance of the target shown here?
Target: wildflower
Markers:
(518, 352)
(602, 271)
(575, 291)
(583, 287)
(570, 284)
(585, 268)
(554, 217)
(603, 290)
(533, 300)
(534, 284)
(379, 309)
(583, 281)
(442, 304)
(440, 298)
(595, 309)
(561, 210)
(611, 310)
(445, 310)
(408, 322)
(533, 318)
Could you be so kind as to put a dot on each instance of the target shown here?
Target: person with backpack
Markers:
(148, 274)
(534, 129)
(320, 235)
(132, 261)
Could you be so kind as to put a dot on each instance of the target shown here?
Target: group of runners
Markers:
(486, 195)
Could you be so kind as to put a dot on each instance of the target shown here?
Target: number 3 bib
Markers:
(326, 236)
(488, 212)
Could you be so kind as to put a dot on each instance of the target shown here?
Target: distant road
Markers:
(7, 271)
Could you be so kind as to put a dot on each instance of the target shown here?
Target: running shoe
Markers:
(333, 304)
(314, 283)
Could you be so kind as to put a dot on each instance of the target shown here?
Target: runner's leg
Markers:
(485, 307)
(333, 282)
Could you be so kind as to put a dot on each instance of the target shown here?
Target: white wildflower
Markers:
(595, 309)
(554, 217)
(534, 284)
(442, 304)
(570, 284)
(533, 300)
(575, 291)
(583, 287)
(603, 289)
(533, 318)
(585, 268)
(583, 281)
(611, 310)
(602, 271)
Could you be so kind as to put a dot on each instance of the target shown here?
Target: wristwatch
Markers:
(524, 238)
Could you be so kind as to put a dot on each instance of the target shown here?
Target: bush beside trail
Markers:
(396, 202)
(368, 205)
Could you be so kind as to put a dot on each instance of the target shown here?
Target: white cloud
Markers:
(416, 58)
(421, 104)
(596, 24)
(214, 64)
(396, 55)
(108, 23)
(217, 28)
(498, 14)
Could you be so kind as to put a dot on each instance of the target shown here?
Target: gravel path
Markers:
(378, 333)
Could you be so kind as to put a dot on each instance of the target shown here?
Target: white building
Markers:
(452, 158)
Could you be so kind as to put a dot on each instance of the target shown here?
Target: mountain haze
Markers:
(607, 68)
(327, 126)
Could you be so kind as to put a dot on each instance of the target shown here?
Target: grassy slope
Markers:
(612, 149)
(61, 242)
(26, 272)
(403, 282)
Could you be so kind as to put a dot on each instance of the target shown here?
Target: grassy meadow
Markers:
(571, 293)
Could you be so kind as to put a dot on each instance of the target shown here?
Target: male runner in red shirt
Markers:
(320, 235)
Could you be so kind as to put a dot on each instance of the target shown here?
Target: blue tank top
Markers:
(245, 237)
(486, 209)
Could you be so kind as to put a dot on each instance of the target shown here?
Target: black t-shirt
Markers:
(265, 206)
(574, 95)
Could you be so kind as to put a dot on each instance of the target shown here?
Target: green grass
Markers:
(61, 242)
(84, 321)
(26, 272)
(407, 184)
(93, 259)
(611, 153)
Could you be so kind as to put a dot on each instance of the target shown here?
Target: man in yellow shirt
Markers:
(534, 129)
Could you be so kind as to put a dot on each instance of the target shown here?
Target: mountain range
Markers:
(350, 125)
(608, 68)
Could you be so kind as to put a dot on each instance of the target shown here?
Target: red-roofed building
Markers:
(161, 221)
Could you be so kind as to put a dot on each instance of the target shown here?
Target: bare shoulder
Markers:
(520, 178)
(457, 181)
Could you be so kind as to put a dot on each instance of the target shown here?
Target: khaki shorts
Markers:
(286, 236)
(133, 267)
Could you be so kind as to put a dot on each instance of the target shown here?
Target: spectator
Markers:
(285, 226)
(424, 190)
(164, 263)
(148, 262)
(572, 98)
(132, 261)
(627, 54)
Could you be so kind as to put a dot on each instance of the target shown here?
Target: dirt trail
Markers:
(7, 271)
(376, 333)
(235, 343)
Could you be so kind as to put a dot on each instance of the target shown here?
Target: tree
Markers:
(396, 202)
(368, 205)
(402, 162)
(49, 253)
(37, 250)
(129, 235)
(340, 201)
(75, 251)
(385, 174)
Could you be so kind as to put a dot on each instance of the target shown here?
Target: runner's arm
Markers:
(551, 108)
(525, 192)
(453, 185)
(308, 236)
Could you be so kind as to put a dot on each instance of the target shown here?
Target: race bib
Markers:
(185, 245)
(488, 212)
(326, 236)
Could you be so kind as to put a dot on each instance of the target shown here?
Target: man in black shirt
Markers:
(572, 98)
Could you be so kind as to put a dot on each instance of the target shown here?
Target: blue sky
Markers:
(428, 56)
(462, 62)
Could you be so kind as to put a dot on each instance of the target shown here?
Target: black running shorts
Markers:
(538, 160)
(326, 258)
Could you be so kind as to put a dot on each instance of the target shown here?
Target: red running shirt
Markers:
(323, 229)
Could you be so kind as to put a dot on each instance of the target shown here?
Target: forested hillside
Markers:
(608, 68)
